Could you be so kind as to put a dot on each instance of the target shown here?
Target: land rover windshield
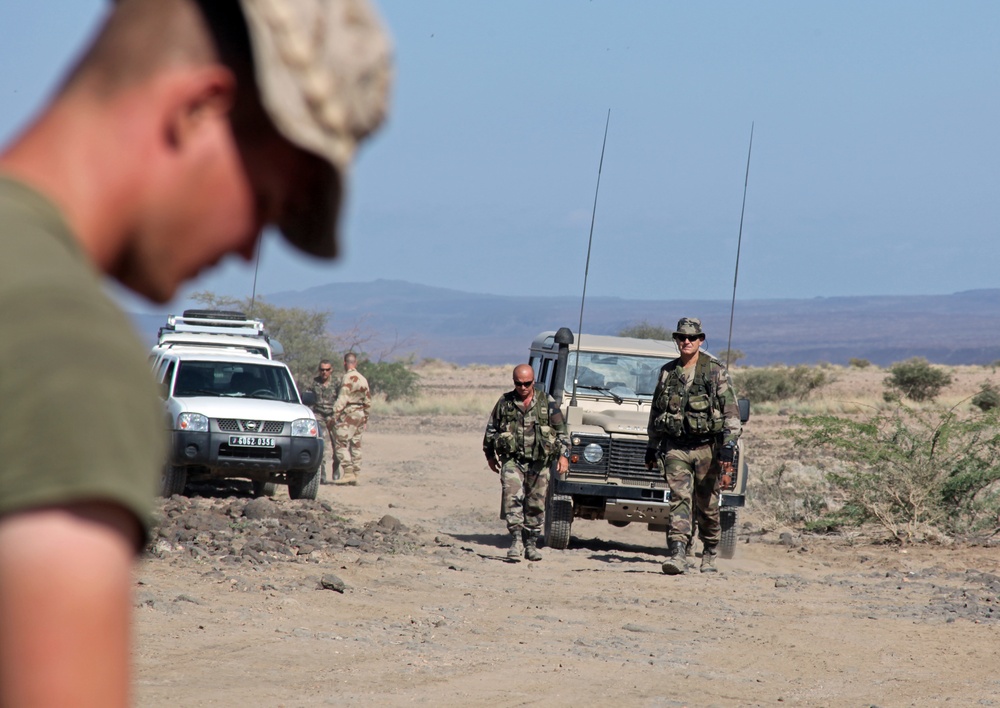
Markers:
(625, 375)
(236, 380)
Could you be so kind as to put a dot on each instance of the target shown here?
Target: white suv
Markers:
(234, 414)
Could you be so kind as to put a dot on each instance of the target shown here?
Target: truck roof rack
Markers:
(214, 322)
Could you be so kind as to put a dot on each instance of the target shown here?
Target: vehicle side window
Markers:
(167, 375)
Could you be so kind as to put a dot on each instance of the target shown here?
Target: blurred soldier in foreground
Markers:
(694, 424)
(184, 129)
(326, 388)
(350, 413)
(525, 433)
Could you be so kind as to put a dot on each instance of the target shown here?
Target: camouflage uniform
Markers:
(350, 411)
(692, 414)
(326, 394)
(526, 442)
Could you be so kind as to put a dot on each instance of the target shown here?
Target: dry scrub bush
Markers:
(910, 468)
(780, 383)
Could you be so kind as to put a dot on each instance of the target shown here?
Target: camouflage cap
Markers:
(323, 70)
(689, 326)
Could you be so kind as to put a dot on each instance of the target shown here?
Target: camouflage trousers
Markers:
(522, 504)
(329, 434)
(692, 473)
(348, 449)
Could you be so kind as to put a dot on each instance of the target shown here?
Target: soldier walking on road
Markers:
(350, 413)
(694, 424)
(326, 388)
(525, 433)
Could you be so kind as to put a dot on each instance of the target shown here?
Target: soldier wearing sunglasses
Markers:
(694, 424)
(524, 435)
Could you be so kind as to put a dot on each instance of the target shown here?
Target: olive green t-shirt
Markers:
(80, 419)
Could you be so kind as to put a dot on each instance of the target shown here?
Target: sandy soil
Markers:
(432, 613)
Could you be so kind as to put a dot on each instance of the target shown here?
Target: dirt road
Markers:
(434, 614)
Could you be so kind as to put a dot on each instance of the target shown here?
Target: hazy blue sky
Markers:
(875, 159)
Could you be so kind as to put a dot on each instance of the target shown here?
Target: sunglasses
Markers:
(687, 338)
(322, 369)
(523, 383)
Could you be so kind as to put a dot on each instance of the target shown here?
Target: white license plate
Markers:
(250, 441)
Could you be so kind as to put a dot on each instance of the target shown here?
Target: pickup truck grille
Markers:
(261, 427)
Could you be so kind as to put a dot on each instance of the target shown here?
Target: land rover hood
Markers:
(623, 421)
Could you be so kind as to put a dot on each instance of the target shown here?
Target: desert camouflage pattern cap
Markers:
(689, 326)
(323, 70)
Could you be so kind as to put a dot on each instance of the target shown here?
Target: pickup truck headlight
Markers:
(593, 453)
(305, 428)
(192, 422)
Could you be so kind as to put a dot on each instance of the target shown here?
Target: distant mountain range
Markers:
(465, 328)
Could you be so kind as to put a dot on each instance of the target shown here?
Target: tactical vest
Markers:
(510, 441)
(693, 412)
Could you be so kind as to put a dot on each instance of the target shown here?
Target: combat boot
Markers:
(708, 556)
(531, 549)
(677, 563)
(516, 547)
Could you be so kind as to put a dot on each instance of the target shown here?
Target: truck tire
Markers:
(303, 485)
(727, 519)
(174, 480)
(263, 489)
(558, 521)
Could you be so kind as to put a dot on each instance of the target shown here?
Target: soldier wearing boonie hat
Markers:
(183, 130)
(694, 425)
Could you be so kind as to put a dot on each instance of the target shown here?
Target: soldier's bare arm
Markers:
(65, 586)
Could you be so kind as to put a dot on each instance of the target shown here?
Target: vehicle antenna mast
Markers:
(739, 241)
(586, 269)
(256, 267)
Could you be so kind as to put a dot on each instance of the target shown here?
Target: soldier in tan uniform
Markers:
(350, 415)
(325, 387)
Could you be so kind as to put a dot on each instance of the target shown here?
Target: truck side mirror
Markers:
(744, 406)
(309, 399)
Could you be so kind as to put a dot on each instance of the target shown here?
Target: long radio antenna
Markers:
(586, 269)
(256, 267)
(739, 242)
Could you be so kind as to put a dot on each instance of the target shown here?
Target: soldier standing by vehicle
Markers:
(326, 388)
(350, 415)
(694, 424)
(526, 432)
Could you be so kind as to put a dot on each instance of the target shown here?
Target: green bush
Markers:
(909, 468)
(916, 379)
(394, 380)
(988, 397)
(730, 356)
(779, 383)
(858, 363)
(645, 330)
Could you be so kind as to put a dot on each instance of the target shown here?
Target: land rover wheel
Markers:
(303, 485)
(174, 480)
(558, 521)
(264, 489)
(727, 519)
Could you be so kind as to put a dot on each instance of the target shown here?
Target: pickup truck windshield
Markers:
(229, 379)
(624, 375)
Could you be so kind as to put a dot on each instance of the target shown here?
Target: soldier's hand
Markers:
(493, 464)
(562, 467)
(650, 458)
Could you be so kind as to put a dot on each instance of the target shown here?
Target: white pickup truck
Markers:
(235, 413)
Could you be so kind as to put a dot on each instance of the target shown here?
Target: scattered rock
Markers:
(332, 582)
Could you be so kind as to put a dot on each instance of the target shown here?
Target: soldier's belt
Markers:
(688, 442)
